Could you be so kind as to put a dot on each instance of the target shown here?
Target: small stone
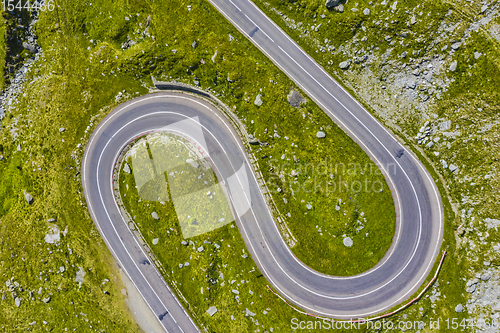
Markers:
(184, 243)
(453, 66)
(181, 265)
(453, 167)
(193, 163)
(483, 9)
(194, 44)
(62, 129)
(309, 206)
(258, 100)
(366, 11)
(340, 8)
(62, 269)
(28, 197)
(200, 249)
(459, 308)
(186, 264)
(19, 147)
(320, 134)
(126, 169)
(30, 47)
(17, 301)
(155, 241)
(249, 313)
(345, 64)
(46, 300)
(332, 3)
(212, 310)
(471, 289)
(155, 215)
(485, 276)
(348, 241)
(477, 55)
(235, 291)
(456, 46)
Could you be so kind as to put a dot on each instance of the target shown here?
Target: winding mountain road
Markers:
(418, 203)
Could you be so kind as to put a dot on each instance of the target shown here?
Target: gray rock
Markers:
(309, 206)
(126, 169)
(235, 291)
(366, 11)
(471, 289)
(485, 276)
(477, 55)
(62, 129)
(181, 265)
(46, 300)
(411, 85)
(459, 308)
(80, 276)
(62, 269)
(155, 215)
(19, 147)
(456, 46)
(17, 301)
(54, 235)
(483, 9)
(258, 100)
(320, 134)
(294, 98)
(453, 167)
(184, 243)
(186, 264)
(200, 249)
(155, 241)
(30, 47)
(194, 44)
(2, 158)
(332, 3)
(340, 8)
(472, 282)
(348, 241)
(445, 125)
(453, 66)
(4, 295)
(51, 220)
(249, 313)
(345, 64)
(28, 198)
(212, 310)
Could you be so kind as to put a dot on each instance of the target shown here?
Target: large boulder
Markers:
(294, 98)
(332, 3)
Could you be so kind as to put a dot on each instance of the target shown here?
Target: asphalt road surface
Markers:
(418, 204)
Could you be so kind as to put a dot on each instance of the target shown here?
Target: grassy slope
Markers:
(470, 102)
(74, 85)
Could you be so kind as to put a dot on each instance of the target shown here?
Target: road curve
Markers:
(418, 204)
